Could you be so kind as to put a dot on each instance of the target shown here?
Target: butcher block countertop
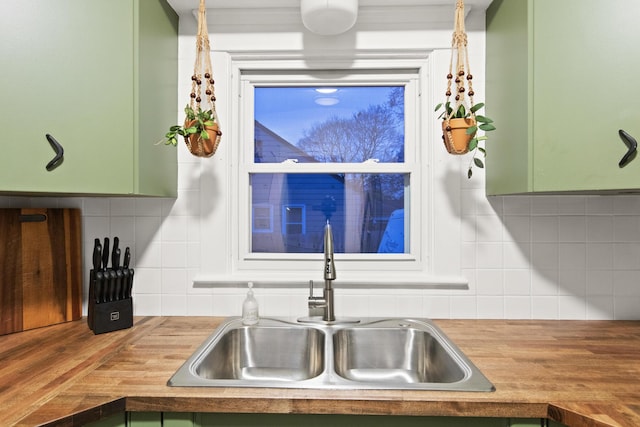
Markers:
(581, 373)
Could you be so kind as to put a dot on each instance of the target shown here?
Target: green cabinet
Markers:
(559, 85)
(101, 78)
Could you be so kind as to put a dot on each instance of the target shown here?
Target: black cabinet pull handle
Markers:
(631, 144)
(59, 158)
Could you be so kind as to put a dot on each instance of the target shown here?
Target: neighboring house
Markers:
(289, 211)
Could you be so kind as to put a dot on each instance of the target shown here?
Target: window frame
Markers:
(409, 79)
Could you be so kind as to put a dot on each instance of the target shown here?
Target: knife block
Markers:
(107, 316)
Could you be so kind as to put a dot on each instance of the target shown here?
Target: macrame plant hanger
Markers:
(463, 78)
(203, 95)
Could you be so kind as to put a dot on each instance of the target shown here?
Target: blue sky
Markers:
(288, 111)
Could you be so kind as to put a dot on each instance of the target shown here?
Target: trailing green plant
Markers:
(483, 123)
(197, 121)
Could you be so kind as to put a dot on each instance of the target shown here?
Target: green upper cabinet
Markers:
(101, 78)
(560, 84)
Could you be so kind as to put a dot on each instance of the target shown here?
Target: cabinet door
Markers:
(584, 59)
(559, 87)
(67, 71)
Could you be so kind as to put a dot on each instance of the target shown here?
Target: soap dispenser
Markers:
(250, 308)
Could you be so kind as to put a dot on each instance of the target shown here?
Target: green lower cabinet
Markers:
(186, 419)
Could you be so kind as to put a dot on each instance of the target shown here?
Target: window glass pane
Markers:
(329, 124)
(366, 212)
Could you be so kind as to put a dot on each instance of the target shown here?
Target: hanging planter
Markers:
(201, 129)
(455, 136)
(460, 123)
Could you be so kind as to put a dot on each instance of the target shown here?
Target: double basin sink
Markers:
(371, 354)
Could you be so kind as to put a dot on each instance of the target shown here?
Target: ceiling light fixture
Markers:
(329, 17)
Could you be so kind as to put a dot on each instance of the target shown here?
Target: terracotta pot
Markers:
(454, 134)
(202, 147)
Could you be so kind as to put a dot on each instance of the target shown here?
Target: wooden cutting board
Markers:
(40, 267)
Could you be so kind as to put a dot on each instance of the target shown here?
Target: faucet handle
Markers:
(310, 288)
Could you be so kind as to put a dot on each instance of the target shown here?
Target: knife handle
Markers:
(130, 284)
(127, 258)
(115, 259)
(105, 253)
(114, 251)
(98, 291)
(97, 255)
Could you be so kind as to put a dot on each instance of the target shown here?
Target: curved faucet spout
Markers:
(329, 265)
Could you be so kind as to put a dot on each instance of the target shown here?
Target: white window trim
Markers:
(434, 269)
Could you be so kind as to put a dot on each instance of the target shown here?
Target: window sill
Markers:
(446, 283)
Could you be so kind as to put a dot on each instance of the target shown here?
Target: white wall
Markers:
(542, 257)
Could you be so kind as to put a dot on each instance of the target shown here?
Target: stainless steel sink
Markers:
(264, 353)
(402, 355)
(373, 354)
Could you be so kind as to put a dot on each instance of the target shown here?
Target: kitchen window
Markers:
(330, 147)
(346, 145)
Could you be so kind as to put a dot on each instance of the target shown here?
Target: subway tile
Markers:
(464, 307)
(626, 308)
(518, 228)
(572, 282)
(123, 227)
(174, 281)
(147, 281)
(599, 205)
(572, 256)
(626, 205)
(437, 306)
(600, 308)
(174, 254)
(544, 282)
(572, 205)
(147, 305)
(490, 282)
(122, 206)
(599, 282)
(516, 255)
(517, 307)
(545, 256)
(571, 307)
(544, 205)
(600, 228)
(517, 282)
(544, 229)
(148, 206)
(517, 205)
(173, 305)
(626, 229)
(626, 282)
(600, 256)
(626, 256)
(489, 228)
(544, 307)
(199, 305)
(489, 255)
(490, 307)
(572, 228)
(174, 229)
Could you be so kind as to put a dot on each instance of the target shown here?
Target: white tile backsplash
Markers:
(540, 257)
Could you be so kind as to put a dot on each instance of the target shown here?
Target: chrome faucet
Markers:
(325, 302)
